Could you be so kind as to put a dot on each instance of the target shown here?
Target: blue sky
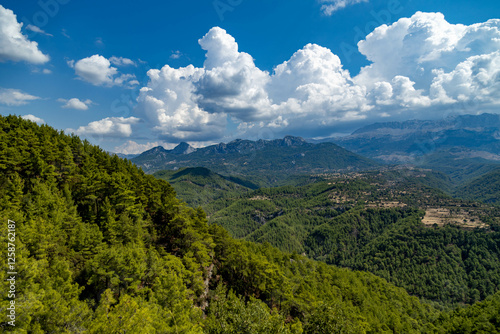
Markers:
(242, 68)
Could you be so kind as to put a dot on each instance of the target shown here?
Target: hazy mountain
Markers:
(125, 156)
(406, 141)
(270, 159)
(462, 146)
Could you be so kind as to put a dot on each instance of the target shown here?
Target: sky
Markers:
(132, 75)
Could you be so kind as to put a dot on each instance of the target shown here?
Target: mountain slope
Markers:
(199, 186)
(485, 188)
(273, 159)
(409, 140)
(463, 147)
(461, 165)
(101, 247)
(373, 222)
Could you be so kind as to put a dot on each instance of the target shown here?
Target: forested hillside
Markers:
(102, 247)
(199, 186)
(391, 223)
(485, 188)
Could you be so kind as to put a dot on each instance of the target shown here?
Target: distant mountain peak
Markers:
(292, 141)
(158, 149)
(183, 148)
(278, 157)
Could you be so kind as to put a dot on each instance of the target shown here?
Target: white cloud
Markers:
(169, 104)
(406, 94)
(126, 80)
(98, 71)
(14, 45)
(131, 147)
(120, 61)
(33, 118)
(314, 82)
(15, 97)
(107, 127)
(176, 54)
(421, 65)
(431, 62)
(411, 47)
(311, 84)
(475, 79)
(37, 30)
(331, 6)
(43, 71)
(230, 82)
(75, 103)
(95, 69)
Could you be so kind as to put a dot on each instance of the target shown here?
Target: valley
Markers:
(250, 167)
(101, 241)
(328, 216)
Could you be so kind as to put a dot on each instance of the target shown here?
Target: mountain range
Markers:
(270, 160)
(463, 147)
(477, 136)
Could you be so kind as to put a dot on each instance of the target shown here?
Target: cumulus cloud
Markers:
(313, 81)
(476, 79)
(14, 45)
(15, 97)
(108, 127)
(98, 71)
(33, 118)
(311, 84)
(230, 82)
(331, 6)
(169, 103)
(443, 63)
(75, 103)
(419, 65)
(411, 47)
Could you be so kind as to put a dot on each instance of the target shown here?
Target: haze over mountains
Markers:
(272, 159)
(463, 147)
(477, 136)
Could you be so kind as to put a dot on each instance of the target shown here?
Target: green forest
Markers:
(101, 247)
(343, 222)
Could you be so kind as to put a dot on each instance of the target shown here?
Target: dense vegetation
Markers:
(372, 222)
(485, 188)
(199, 186)
(457, 166)
(102, 247)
